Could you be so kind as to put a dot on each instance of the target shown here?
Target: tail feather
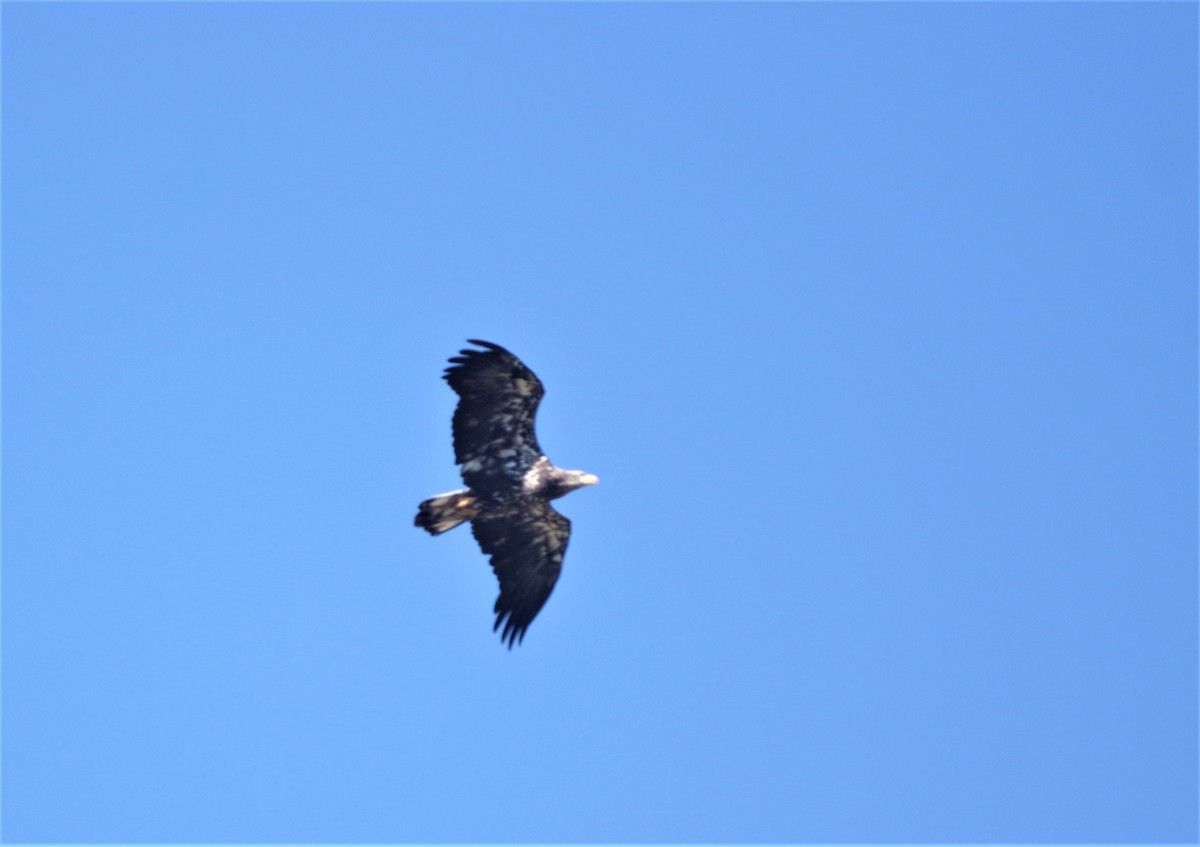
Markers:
(446, 511)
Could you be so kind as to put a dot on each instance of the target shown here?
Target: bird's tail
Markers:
(446, 511)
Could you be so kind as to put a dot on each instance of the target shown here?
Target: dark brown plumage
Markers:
(509, 483)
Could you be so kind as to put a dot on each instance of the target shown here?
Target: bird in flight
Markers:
(510, 483)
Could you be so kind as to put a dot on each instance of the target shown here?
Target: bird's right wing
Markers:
(526, 540)
(494, 438)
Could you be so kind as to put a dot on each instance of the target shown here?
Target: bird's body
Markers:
(510, 483)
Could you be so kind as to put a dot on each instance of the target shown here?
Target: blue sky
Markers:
(877, 322)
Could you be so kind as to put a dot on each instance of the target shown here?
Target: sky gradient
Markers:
(876, 321)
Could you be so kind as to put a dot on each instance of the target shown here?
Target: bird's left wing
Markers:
(526, 540)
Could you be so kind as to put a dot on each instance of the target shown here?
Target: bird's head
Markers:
(578, 479)
(564, 482)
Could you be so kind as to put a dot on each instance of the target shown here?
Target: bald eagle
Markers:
(510, 483)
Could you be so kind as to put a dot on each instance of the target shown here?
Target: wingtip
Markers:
(511, 634)
(487, 345)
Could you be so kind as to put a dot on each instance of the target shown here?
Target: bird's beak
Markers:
(589, 479)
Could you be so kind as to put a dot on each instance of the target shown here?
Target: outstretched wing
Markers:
(494, 439)
(526, 539)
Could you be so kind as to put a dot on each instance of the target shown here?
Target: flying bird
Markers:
(510, 483)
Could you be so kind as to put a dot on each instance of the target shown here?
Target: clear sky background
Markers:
(877, 322)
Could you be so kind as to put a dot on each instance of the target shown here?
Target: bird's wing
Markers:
(526, 540)
(494, 438)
